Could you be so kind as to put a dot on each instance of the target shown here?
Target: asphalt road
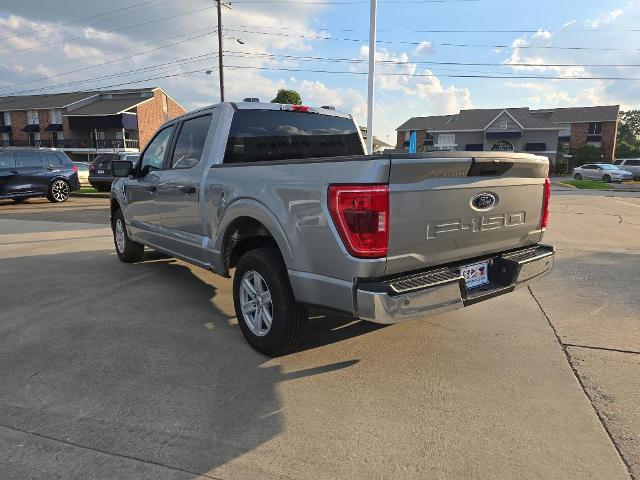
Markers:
(140, 371)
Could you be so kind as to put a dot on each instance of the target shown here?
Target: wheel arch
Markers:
(246, 227)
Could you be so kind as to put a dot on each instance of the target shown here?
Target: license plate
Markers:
(475, 275)
(101, 171)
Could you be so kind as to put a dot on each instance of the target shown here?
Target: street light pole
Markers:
(372, 72)
(220, 69)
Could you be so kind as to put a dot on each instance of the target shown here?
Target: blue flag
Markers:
(412, 142)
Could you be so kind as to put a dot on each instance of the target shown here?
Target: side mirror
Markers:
(121, 168)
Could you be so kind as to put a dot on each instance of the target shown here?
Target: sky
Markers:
(320, 48)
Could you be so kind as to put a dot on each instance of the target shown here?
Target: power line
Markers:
(209, 32)
(71, 22)
(404, 42)
(409, 62)
(127, 27)
(531, 77)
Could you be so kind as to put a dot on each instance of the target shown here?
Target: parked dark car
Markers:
(100, 172)
(36, 172)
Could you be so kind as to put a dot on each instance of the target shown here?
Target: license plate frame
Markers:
(475, 275)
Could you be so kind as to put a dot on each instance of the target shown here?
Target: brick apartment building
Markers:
(84, 124)
(516, 129)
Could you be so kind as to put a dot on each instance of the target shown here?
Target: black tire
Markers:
(578, 176)
(59, 191)
(606, 178)
(289, 318)
(130, 251)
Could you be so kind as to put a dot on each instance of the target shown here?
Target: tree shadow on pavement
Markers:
(142, 361)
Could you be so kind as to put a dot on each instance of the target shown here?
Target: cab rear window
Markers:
(273, 135)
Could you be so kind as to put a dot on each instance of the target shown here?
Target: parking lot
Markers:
(112, 370)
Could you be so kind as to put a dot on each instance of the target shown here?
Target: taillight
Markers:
(546, 195)
(361, 216)
(74, 167)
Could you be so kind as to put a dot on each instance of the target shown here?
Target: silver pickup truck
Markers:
(286, 195)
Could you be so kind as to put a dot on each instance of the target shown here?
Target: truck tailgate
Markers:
(454, 206)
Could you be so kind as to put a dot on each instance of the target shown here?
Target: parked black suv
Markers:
(36, 172)
(100, 173)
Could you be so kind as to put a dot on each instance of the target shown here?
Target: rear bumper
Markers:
(439, 290)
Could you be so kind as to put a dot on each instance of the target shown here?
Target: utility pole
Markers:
(220, 69)
(372, 72)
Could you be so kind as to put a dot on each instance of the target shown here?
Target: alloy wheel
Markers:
(60, 191)
(256, 303)
(120, 235)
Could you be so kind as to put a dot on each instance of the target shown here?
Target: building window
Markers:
(32, 117)
(34, 139)
(565, 132)
(57, 138)
(6, 119)
(446, 141)
(504, 125)
(595, 128)
(164, 103)
(502, 146)
(535, 147)
(55, 116)
(5, 141)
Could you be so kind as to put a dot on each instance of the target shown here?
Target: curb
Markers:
(90, 195)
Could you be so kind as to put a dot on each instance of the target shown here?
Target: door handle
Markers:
(49, 167)
(188, 189)
(152, 188)
(14, 172)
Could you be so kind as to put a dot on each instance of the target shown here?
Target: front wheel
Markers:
(606, 178)
(128, 251)
(58, 191)
(578, 176)
(268, 314)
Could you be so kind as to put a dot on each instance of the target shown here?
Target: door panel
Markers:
(32, 175)
(8, 174)
(179, 189)
(142, 192)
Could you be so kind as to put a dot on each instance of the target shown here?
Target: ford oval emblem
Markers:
(484, 201)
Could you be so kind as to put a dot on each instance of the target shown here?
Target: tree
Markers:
(287, 96)
(586, 154)
(629, 127)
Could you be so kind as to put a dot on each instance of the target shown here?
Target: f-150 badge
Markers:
(477, 224)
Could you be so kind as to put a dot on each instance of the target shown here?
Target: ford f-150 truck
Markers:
(286, 196)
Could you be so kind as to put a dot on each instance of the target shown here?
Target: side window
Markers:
(633, 163)
(6, 160)
(190, 143)
(50, 159)
(618, 162)
(28, 159)
(153, 156)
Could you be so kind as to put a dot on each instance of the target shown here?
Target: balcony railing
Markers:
(107, 143)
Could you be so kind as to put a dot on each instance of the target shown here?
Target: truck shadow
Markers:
(141, 361)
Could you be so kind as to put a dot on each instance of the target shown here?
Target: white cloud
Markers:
(423, 48)
(605, 18)
(568, 24)
(544, 34)
(77, 51)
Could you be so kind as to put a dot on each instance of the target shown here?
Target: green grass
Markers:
(88, 190)
(587, 184)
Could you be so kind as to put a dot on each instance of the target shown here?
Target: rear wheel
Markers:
(606, 178)
(128, 251)
(268, 314)
(58, 191)
(578, 176)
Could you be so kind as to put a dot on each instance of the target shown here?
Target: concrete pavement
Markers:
(140, 371)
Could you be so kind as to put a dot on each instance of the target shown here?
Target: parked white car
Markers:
(630, 165)
(601, 171)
